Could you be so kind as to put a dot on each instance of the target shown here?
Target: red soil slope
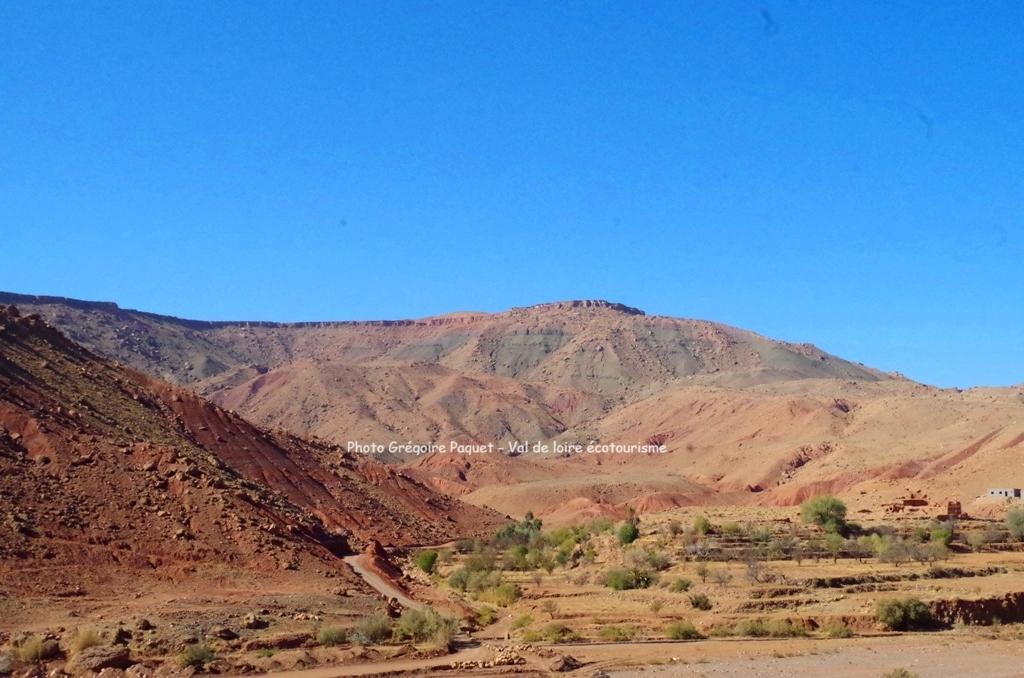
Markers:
(103, 468)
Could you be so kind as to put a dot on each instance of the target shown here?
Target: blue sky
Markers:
(849, 174)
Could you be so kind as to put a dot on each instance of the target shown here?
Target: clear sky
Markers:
(849, 174)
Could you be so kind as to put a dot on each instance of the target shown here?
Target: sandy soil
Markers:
(926, 656)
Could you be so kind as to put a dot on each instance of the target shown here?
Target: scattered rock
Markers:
(281, 641)
(507, 656)
(144, 625)
(564, 663)
(222, 632)
(254, 621)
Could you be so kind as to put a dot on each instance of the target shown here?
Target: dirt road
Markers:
(385, 588)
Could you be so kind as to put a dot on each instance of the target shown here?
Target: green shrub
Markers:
(521, 622)
(701, 525)
(459, 579)
(941, 535)
(474, 581)
(425, 624)
(783, 628)
(683, 631)
(485, 616)
(646, 559)
(329, 636)
(680, 586)
(838, 629)
(427, 561)
(622, 579)
(556, 632)
(467, 545)
(903, 614)
(775, 628)
(754, 628)
(826, 512)
(522, 532)
(372, 630)
(515, 558)
(627, 533)
(1015, 523)
(618, 634)
(480, 562)
(700, 601)
(196, 656)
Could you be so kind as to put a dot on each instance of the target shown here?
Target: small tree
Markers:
(976, 539)
(835, 544)
(895, 551)
(627, 532)
(1015, 523)
(701, 525)
(700, 601)
(721, 577)
(702, 572)
(826, 512)
(426, 561)
(942, 534)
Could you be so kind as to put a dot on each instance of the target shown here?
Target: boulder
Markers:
(222, 632)
(564, 663)
(50, 649)
(99, 658)
(254, 621)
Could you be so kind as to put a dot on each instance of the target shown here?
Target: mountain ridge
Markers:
(743, 418)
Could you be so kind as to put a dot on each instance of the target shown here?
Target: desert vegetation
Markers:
(728, 578)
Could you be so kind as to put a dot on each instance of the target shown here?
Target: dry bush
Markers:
(329, 636)
(683, 631)
(85, 638)
(35, 649)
